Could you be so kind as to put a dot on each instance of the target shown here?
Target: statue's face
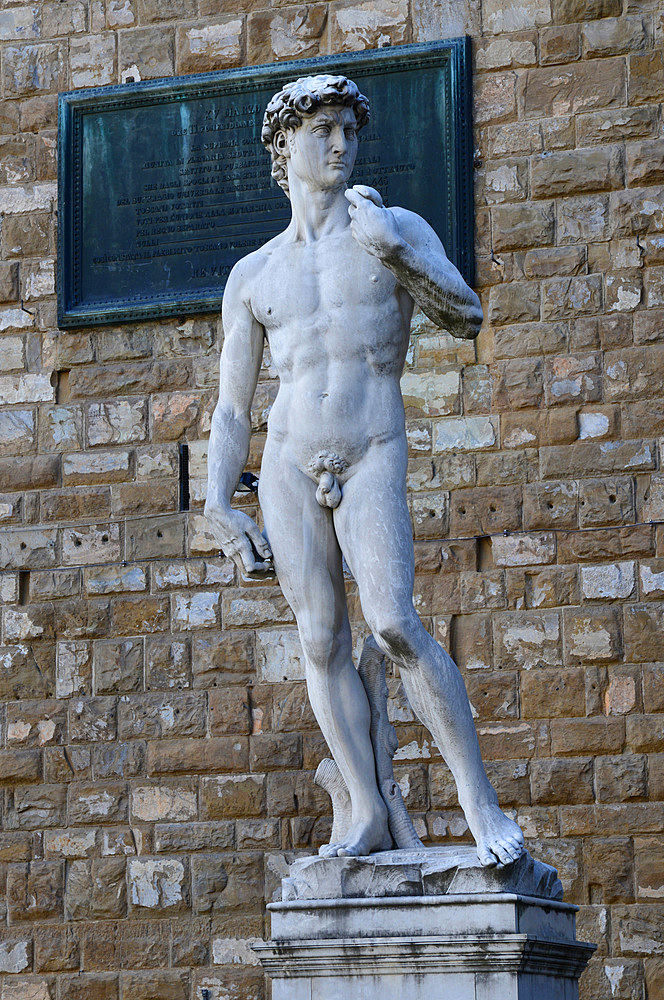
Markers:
(322, 151)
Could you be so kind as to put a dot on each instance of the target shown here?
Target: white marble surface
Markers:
(333, 296)
(430, 871)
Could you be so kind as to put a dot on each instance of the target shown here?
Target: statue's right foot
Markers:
(363, 838)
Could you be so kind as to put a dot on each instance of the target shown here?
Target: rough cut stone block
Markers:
(524, 550)
(118, 665)
(66, 18)
(33, 69)
(517, 302)
(368, 24)
(646, 77)
(639, 210)
(13, 356)
(258, 606)
(494, 98)
(155, 537)
(19, 23)
(146, 52)
(563, 90)
(520, 226)
(17, 431)
(193, 611)
(606, 501)
(96, 890)
(506, 53)
(594, 736)
(291, 33)
(115, 579)
(98, 803)
(36, 723)
(198, 756)
(623, 291)
(155, 716)
(223, 659)
(643, 624)
(593, 635)
(92, 60)
(501, 16)
(117, 422)
(611, 36)
(167, 802)
(600, 127)
(233, 795)
(635, 373)
(91, 544)
(434, 394)
(26, 388)
(567, 11)
(166, 10)
(161, 985)
(573, 379)
(74, 669)
(576, 171)
(158, 886)
(564, 781)
(96, 467)
(168, 663)
(561, 44)
(35, 891)
(180, 838)
(466, 434)
(92, 720)
(209, 46)
(579, 296)
(528, 639)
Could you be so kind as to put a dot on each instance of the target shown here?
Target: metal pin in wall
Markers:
(184, 476)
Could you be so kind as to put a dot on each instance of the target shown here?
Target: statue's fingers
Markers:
(369, 193)
(353, 197)
(244, 552)
(259, 542)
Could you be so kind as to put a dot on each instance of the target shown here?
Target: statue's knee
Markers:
(320, 647)
(396, 636)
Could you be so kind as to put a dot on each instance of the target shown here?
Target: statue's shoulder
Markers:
(250, 268)
(412, 226)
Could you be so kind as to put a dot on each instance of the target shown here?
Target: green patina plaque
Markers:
(164, 185)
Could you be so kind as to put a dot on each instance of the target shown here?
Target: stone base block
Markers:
(436, 944)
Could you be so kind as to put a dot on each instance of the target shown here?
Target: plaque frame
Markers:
(451, 55)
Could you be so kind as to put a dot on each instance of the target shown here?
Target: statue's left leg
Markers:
(374, 529)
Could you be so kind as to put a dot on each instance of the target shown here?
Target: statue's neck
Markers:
(317, 213)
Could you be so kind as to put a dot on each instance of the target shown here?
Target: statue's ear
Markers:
(280, 143)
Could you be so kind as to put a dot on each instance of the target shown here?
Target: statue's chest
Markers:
(320, 282)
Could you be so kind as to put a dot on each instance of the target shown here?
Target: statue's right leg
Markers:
(309, 565)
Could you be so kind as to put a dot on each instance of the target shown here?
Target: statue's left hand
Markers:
(372, 225)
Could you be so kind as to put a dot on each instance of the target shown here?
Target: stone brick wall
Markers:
(156, 771)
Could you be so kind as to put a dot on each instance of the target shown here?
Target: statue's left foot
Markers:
(499, 840)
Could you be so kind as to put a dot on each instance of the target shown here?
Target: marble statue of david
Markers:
(334, 295)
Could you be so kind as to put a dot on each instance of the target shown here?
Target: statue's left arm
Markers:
(409, 247)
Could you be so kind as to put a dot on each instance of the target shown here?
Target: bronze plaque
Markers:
(164, 185)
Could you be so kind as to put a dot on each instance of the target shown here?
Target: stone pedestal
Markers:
(422, 925)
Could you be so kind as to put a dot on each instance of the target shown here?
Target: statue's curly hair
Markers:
(300, 99)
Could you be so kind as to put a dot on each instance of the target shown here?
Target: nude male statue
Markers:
(334, 295)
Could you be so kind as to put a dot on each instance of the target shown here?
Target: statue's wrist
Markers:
(395, 251)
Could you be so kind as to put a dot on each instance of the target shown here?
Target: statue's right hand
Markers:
(240, 538)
